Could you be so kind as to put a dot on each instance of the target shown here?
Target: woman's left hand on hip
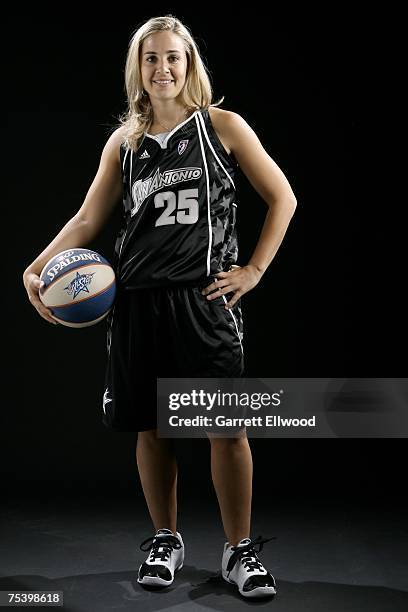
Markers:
(237, 280)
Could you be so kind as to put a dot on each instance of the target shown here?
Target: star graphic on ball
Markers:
(78, 284)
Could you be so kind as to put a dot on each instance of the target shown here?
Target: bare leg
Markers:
(231, 469)
(157, 467)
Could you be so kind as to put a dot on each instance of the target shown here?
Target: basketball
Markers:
(79, 287)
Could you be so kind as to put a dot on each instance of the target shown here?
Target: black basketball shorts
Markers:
(165, 332)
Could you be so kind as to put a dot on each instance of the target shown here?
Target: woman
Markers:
(177, 312)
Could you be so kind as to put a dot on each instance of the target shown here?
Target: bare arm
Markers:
(102, 197)
(272, 185)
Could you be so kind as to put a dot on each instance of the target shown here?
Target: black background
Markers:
(326, 307)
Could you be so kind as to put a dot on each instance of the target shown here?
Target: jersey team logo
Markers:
(182, 146)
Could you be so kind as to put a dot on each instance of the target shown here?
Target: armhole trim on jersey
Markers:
(124, 160)
(207, 180)
(212, 148)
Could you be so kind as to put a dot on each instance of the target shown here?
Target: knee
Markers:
(229, 444)
(149, 438)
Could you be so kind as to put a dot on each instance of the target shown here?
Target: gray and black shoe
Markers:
(166, 557)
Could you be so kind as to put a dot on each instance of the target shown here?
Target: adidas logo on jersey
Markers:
(144, 155)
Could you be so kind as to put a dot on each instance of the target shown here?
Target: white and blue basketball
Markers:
(79, 287)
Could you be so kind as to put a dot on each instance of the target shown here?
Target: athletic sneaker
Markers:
(166, 557)
(241, 566)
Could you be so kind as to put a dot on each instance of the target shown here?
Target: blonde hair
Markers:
(196, 93)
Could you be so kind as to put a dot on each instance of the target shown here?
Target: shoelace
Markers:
(247, 554)
(164, 541)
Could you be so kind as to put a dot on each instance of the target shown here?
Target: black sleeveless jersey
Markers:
(180, 208)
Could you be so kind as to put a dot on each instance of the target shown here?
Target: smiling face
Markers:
(163, 65)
